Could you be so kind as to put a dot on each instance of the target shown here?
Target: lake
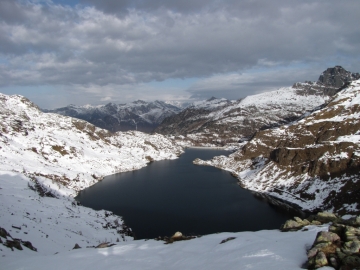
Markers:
(176, 195)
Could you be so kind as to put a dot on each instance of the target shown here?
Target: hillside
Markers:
(313, 162)
(46, 158)
(238, 120)
(138, 115)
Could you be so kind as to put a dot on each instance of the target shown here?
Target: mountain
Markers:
(233, 121)
(138, 115)
(45, 159)
(313, 162)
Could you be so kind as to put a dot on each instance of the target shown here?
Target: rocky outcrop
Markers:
(335, 78)
(338, 248)
(12, 243)
(313, 162)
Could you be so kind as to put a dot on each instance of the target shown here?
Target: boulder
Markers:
(320, 260)
(28, 245)
(333, 261)
(337, 228)
(351, 262)
(315, 222)
(76, 246)
(324, 237)
(351, 246)
(352, 234)
(13, 244)
(325, 217)
(291, 225)
(177, 236)
(3, 233)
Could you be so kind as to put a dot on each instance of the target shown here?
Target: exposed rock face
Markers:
(237, 120)
(336, 78)
(138, 115)
(314, 163)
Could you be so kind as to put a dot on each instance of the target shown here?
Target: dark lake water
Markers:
(176, 195)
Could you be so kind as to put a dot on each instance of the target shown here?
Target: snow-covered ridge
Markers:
(137, 115)
(68, 150)
(312, 162)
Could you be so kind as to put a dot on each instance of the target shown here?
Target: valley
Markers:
(298, 144)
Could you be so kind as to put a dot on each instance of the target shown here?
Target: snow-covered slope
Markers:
(313, 162)
(137, 115)
(271, 250)
(51, 224)
(46, 158)
(238, 120)
(70, 151)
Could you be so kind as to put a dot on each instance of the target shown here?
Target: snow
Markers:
(51, 225)
(271, 250)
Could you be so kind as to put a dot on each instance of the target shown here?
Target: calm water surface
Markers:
(175, 195)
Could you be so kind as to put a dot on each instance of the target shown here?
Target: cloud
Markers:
(100, 44)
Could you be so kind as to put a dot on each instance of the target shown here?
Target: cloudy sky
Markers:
(60, 52)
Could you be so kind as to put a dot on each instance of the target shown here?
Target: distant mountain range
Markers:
(138, 115)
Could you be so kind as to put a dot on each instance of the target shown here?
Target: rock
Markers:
(320, 260)
(316, 248)
(351, 246)
(177, 236)
(326, 217)
(334, 262)
(351, 262)
(3, 233)
(337, 228)
(352, 234)
(291, 225)
(298, 220)
(29, 245)
(227, 239)
(103, 245)
(76, 246)
(306, 222)
(341, 255)
(13, 244)
(323, 237)
(315, 222)
(303, 222)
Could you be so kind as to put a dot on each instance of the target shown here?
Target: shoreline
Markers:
(206, 147)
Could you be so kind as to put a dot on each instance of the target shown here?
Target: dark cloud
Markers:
(118, 43)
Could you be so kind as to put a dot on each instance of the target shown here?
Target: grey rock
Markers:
(324, 237)
(351, 246)
(291, 225)
(326, 217)
(321, 260)
(76, 246)
(352, 234)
